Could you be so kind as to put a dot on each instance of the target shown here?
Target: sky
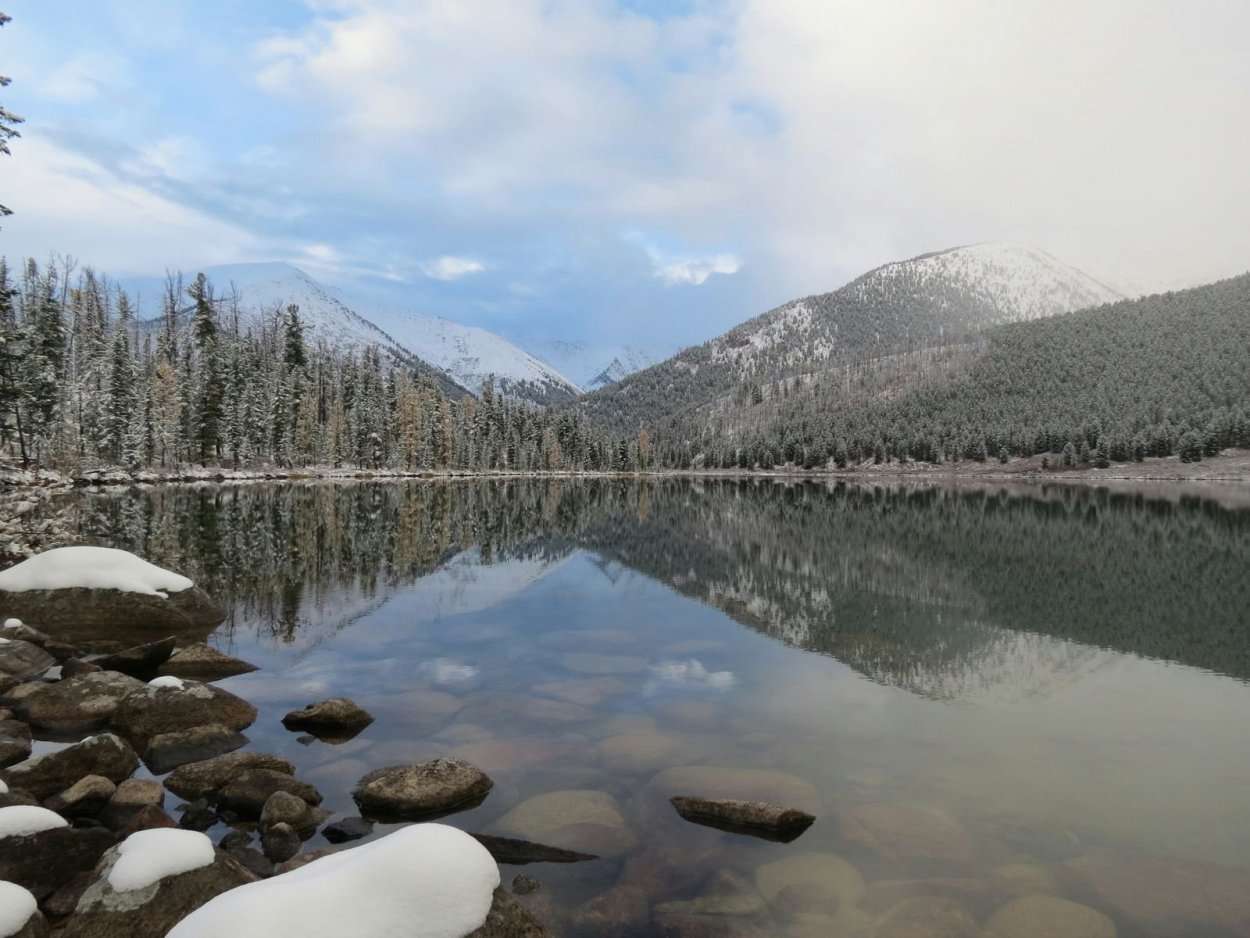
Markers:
(632, 171)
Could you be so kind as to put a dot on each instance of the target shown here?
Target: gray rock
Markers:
(203, 663)
(44, 776)
(85, 798)
(198, 816)
(523, 885)
(584, 820)
(248, 791)
(14, 742)
(146, 818)
(280, 842)
(620, 911)
(73, 667)
(140, 659)
(97, 611)
(423, 790)
(254, 861)
(902, 832)
(77, 703)
(1043, 916)
(927, 917)
(518, 852)
(46, 861)
(507, 918)
(151, 912)
(131, 797)
(204, 779)
(152, 711)
(335, 714)
(349, 828)
(758, 818)
(26, 633)
(22, 659)
(170, 750)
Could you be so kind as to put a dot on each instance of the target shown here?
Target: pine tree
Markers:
(8, 120)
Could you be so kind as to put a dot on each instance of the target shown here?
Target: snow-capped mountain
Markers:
(597, 365)
(942, 298)
(627, 361)
(471, 355)
(464, 356)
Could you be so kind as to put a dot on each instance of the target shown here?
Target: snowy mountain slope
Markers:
(471, 355)
(629, 360)
(935, 299)
(593, 366)
(460, 357)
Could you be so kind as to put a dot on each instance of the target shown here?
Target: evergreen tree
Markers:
(8, 120)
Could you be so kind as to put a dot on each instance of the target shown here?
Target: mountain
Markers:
(471, 355)
(595, 366)
(939, 299)
(459, 357)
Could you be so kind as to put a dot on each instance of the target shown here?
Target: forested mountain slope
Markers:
(1155, 376)
(935, 299)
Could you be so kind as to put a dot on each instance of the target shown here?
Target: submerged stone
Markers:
(757, 818)
(582, 820)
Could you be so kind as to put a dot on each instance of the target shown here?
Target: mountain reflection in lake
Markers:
(1035, 691)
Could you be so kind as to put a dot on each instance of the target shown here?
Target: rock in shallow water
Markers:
(46, 861)
(758, 818)
(247, 793)
(81, 702)
(46, 775)
(906, 832)
(927, 917)
(139, 659)
(202, 779)
(21, 659)
(152, 711)
(85, 798)
(583, 820)
(422, 790)
(338, 713)
(203, 663)
(170, 750)
(15, 742)
(1044, 916)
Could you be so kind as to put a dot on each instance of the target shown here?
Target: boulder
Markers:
(280, 842)
(85, 798)
(73, 667)
(203, 663)
(507, 918)
(422, 790)
(618, 912)
(338, 713)
(757, 818)
(15, 742)
(1164, 896)
(582, 820)
(149, 817)
(139, 659)
(68, 613)
(77, 703)
(810, 882)
(153, 711)
(132, 796)
(19, 913)
(282, 807)
(46, 775)
(204, 779)
(1043, 916)
(170, 750)
(714, 782)
(21, 659)
(45, 861)
(151, 911)
(247, 793)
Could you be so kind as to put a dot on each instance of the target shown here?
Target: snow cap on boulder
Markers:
(92, 568)
(423, 881)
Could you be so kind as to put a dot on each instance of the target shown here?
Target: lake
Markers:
(982, 693)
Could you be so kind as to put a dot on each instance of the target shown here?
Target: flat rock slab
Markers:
(584, 820)
(519, 852)
(153, 911)
(153, 711)
(204, 779)
(140, 659)
(82, 702)
(46, 775)
(927, 917)
(46, 861)
(21, 659)
(906, 832)
(756, 818)
(170, 750)
(1043, 916)
(422, 790)
(348, 828)
(203, 663)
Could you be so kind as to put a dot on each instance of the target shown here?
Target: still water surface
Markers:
(982, 694)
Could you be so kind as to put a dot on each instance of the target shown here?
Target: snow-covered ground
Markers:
(92, 568)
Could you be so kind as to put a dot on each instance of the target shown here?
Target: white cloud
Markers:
(451, 268)
(696, 270)
(688, 675)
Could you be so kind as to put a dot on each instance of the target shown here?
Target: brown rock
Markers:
(170, 750)
(1043, 916)
(617, 912)
(131, 797)
(927, 917)
(247, 793)
(21, 659)
(280, 841)
(98, 611)
(758, 818)
(203, 663)
(149, 817)
(204, 779)
(44, 776)
(906, 832)
(46, 861)
(282, 807)
(336, 713)
(151, 912)
(85, 798)
(139, 659)
(507, 918)
(14, 742)
(423, 790)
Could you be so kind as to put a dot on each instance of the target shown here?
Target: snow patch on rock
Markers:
(17, 905)
(167, 680)
(13, 623)
(21, 820)
(423, 881)
(147, 856)
(92, 568)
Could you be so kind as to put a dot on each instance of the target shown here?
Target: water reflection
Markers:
(953, 594)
